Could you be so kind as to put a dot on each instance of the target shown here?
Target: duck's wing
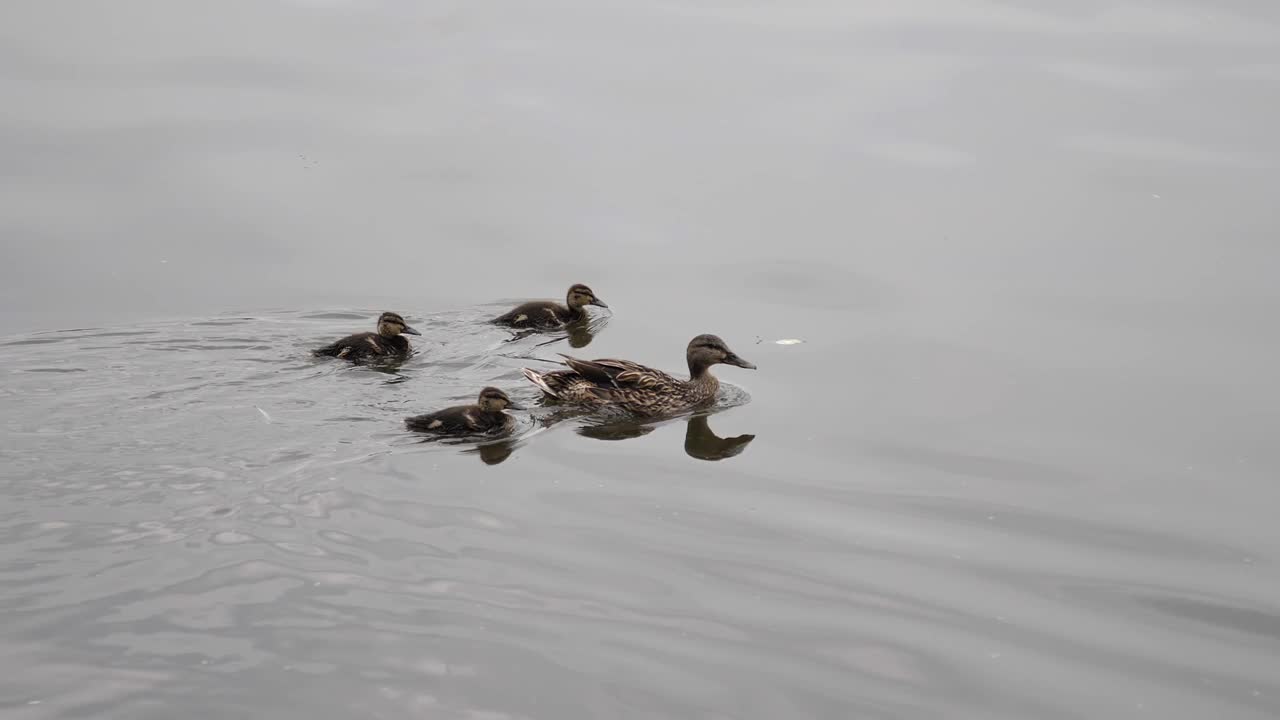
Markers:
(425, 423)
(536, 313)
(360, 343)
(607, 372)
(459, 419)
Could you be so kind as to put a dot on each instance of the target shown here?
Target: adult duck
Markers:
(636, 388)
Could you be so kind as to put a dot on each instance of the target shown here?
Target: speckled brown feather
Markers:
(624, 384)
(637, 388)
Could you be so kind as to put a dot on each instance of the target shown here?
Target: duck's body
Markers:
(551, 315)
(389, 341)
(365, 345)
(484, 417)
(461, 420)
(540, 315)
(636, 388)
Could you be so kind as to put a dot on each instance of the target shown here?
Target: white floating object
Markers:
(788, 341)
(265, 416)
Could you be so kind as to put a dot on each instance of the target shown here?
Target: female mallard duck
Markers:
(388, 341)
(485, 417)
(551, 315)
(636, 388)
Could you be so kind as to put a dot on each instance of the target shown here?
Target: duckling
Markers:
(388, 341)
(551, 315)
(638, 389)
(485, 417)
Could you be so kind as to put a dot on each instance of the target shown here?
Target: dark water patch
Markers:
(180, 346)
(229, 322)
(371, 317)
(1044, 526)
(58, 336)
(978, 466)
(1248, 622)
(34, 341)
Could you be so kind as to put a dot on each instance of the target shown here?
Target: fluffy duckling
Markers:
(485, 417)
(551, 315)
(636, 388)
(388, 341)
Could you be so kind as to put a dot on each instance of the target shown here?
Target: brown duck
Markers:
(551, 315)
(388, 341)
(636, 388)
(485, 417)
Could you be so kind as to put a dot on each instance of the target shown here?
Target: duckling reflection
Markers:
(700, 441)
(490, 453)
(582, 333)
(579, 333)
(495, 452)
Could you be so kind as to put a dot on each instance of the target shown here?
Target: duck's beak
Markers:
(598, 303)
(410, 331)
(733, 359)
(513, 405)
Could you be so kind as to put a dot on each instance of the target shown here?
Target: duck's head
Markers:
(707, 350)
(580, 295)
(494, 400)
(391, 324)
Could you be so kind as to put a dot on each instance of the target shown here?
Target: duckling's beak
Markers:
(733, 359)
(598, 303)
(410, 331)
(513, 405)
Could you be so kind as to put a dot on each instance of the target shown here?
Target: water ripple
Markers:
(261, 514)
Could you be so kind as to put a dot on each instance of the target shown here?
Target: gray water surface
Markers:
(1023, 465)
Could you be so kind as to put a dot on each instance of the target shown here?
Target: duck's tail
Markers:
(337, 350)
(536, 378)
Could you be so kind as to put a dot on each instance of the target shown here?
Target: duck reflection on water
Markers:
(578, 333)
(490, 452)
(494, 453)
(700, 441)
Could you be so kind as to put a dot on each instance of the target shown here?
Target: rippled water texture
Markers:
(1023, 463)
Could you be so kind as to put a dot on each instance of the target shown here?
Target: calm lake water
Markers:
(1024, 464)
